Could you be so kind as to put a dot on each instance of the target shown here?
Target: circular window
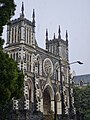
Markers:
(48, 67)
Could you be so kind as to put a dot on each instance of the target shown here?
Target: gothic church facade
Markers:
(47, 72)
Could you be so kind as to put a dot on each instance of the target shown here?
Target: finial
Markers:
(54, 35)
(46, 34)
(66, 35)
(59, 32)
(33, 16)
(22, 9)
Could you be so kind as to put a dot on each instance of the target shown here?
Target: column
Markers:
(17, 34)
(41, 106)
(28, 36)
(59, 108)
(52, 105)
(8, 34)
(14, 35)
(22, 31)
(11, 35)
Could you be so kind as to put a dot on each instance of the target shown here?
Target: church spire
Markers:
(46, 34)
(59, 32)
(66, 35)
(54, 36)
(22, 10)
(33, 16)
(46, 39)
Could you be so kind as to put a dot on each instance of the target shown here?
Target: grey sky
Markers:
(71, 15)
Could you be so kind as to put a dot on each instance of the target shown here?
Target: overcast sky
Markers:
(71, 15)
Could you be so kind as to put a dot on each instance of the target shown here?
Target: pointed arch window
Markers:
(56, 74)
(27, 34)
(38, 66)
(30, 62)
(12, 35)
(30, 95)
(18, 34)
(17, 56)
(57, 71)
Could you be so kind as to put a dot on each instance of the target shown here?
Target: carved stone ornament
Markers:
(48, 67)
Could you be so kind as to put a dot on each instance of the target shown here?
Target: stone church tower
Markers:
(47, 73)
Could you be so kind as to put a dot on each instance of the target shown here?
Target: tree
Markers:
(7, 8)
(82, 102)
(11, 83)
(11, 79)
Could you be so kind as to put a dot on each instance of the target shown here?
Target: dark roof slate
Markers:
(84, 78)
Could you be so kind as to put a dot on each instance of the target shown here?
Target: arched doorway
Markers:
(46, 102)
(29, 90)
(48, 99)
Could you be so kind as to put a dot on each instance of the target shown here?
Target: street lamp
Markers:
(70, 97)
(55, 103)
(68, 81)
(79, 62)
(61, 89)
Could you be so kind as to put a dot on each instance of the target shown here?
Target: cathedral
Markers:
(48, 93)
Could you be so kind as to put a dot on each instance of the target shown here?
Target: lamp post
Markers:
(61, 90)
(79, 62)
(34, 81)
(55, 103)
(70, 97)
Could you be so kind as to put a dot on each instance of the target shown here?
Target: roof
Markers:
(84, 78)
(20, 19)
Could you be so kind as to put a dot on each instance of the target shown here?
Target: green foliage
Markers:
(7, 8)
(11, 84)
(5, 110)
(82, 102)
(11, 79)
(1, 43)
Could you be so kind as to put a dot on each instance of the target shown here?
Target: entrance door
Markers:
(46, 102)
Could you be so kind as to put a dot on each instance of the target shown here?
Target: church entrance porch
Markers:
(46, 102)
